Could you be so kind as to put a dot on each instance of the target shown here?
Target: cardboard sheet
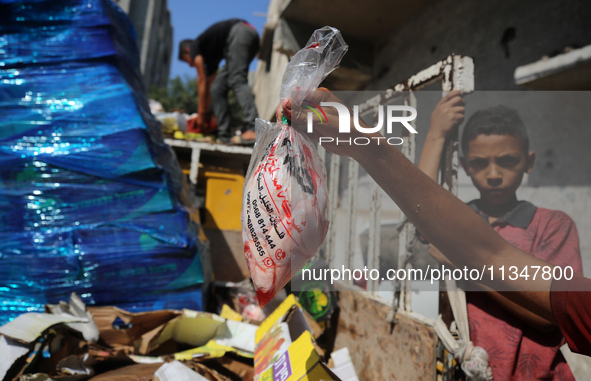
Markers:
(10, 351)
(26, 328)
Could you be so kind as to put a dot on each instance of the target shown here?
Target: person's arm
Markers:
(442, 218)
(203, 93)
(505, 300)
(520, 312)
(446, 117)
(523, 314)
(559, 245)
(571, 306)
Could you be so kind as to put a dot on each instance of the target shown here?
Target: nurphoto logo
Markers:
(394, 114)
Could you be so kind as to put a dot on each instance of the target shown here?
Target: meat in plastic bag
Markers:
(285, 206)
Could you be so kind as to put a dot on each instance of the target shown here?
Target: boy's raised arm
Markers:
(446, 117)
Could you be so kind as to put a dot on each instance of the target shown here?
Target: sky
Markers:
(191, 17)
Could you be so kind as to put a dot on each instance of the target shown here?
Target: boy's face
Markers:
(496, 164)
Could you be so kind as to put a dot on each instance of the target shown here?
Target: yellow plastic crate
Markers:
(223, 198)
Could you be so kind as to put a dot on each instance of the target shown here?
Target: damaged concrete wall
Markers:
(499, 35)
(151, 21)
(272, 62)
(380, 351)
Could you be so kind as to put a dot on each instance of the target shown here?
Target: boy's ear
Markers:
(531, 158)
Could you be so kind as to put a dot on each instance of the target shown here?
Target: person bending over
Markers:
(237, 42)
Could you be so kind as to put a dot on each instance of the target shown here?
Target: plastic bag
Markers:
(285, 206)
(309, 66)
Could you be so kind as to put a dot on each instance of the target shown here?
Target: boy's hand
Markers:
(448, 115)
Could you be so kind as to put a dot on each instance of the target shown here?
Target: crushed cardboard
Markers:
(229, 313)
(300, 362)
(138, 372)
(197, 330)
(342, 365)
(137, 325)
(26, 328)
(191, 328)
(77, 308)
(232, 366)
(42, 347)
(60, 345)
(285, 347)
(175, 371)
(10, 352)
(77, 365)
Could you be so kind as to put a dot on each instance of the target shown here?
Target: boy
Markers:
(495, 146)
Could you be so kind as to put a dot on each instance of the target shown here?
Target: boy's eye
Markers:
(508, 161)
(477, 163)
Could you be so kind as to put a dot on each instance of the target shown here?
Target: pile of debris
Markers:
(70, 342)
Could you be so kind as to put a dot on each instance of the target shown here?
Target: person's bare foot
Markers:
(247, 137)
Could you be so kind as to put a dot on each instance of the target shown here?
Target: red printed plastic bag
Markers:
(284, 212)
(285, 206)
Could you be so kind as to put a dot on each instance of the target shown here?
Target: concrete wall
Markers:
(499, 35)
(151, 21)
(381, 351)
(272, 63)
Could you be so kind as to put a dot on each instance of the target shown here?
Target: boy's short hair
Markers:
(497, 120)
(185, 44)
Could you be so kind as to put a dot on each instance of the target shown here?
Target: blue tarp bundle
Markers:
(92, 199)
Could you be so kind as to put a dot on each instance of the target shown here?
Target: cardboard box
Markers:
(285, 347)
(300, 362)
(138, 329)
